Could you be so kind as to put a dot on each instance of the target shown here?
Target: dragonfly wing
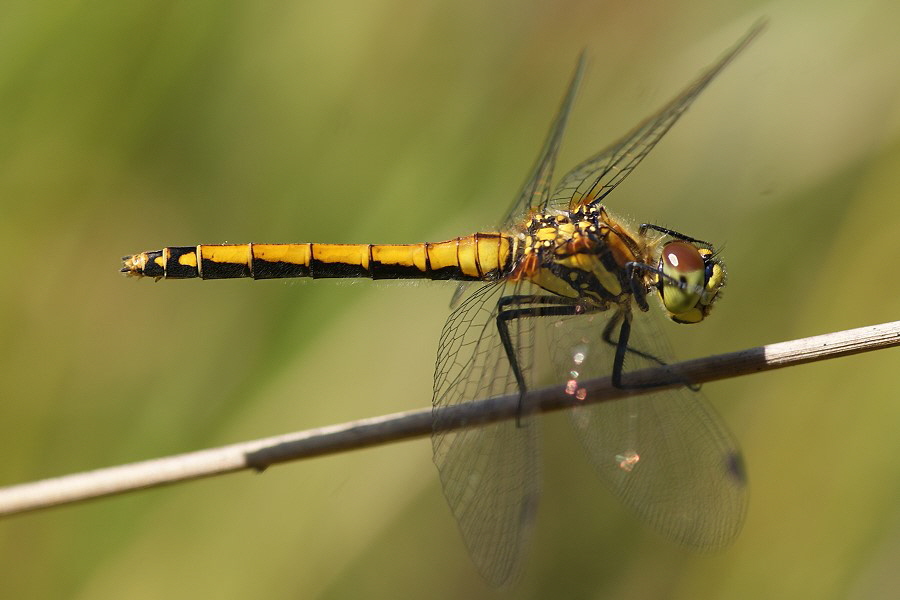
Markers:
(536, 190)
(667, 455)
(489, 473)
(591, 181)
(537, 187)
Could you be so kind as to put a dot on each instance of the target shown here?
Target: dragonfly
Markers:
(560, 292)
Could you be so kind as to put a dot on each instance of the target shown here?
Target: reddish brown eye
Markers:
(685, 277)
(681, 258)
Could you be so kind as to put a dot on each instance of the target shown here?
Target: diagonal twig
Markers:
(262, 453)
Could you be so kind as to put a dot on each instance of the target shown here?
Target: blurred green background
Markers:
(131, 126)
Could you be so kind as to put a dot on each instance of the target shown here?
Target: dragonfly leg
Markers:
(608, 338)
(510, 308)
(623, 349)
(672, 233)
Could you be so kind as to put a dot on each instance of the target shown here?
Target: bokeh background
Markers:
(131, 126)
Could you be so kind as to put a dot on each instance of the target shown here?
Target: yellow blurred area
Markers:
(130, 126)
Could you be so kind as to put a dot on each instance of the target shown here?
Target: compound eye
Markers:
(684, 276)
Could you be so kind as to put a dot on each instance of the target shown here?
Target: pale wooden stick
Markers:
(259, 454)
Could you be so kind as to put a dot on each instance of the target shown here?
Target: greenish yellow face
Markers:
(690, 281)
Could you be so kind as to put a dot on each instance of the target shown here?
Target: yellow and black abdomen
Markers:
(481, 256)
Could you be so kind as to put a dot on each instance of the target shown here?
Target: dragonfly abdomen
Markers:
(481, 256)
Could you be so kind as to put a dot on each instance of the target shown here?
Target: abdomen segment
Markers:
(481, 256)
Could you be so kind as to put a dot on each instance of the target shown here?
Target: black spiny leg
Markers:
(529, 306)
(623, 349)
(672, 233)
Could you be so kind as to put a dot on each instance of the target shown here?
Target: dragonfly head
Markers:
(690, 278)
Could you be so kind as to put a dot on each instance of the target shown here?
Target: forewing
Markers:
(537, 187)
(667, 455)
(489, 473)
(536, 190)
(591, 181)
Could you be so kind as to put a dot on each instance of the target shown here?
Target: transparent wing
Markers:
(490, 473)
(666, 455)
(537, 187)
(591, 181)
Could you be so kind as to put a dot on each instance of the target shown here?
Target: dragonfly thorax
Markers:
(582, 254)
